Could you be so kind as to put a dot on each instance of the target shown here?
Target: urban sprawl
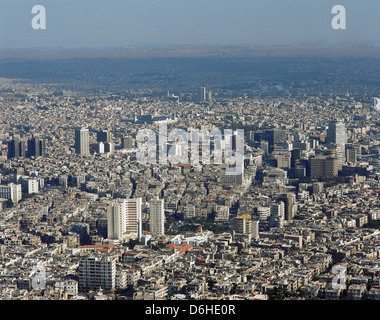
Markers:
(81, 218)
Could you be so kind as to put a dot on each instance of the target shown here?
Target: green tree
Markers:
(9, 203)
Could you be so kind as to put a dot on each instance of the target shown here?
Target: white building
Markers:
(263, 212)
(30, 185)
(124, 219)
(11, 191)
(194, 241)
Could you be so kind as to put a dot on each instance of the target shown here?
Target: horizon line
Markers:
(148, 50)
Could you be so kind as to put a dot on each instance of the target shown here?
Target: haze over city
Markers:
(176, 22)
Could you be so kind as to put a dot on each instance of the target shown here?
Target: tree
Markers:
(132, 243)
(9, 203)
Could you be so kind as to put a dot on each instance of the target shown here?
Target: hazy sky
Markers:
(134, 22)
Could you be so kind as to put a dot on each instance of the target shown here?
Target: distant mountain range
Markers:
(148, 51)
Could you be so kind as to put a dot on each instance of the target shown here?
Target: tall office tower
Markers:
(157, 216)
(103, 136)
(11, 191)
(233, 174)
(43, 148)
(97, 272)
(14, 148)
(63, 180)
(289, 200)
(336, 134)
(82, 141)
(36, 147)
(203, 94)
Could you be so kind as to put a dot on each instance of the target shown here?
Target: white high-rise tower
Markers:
(82, 141)
(124, 219)
(116, 220)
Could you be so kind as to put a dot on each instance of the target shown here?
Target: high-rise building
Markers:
(14, 148)
(97, 272)
(82, 141)
(23, 148)
(36, 147)
(233, 175)
(124, 219)
(278, 210)
(289, 200)
(109, 147)
(134, 220)
(245, 225)
(336, 134)
(317, 187)
(203, 94)
(33, 147)
(103, 136)
(30, 185)
(63, 180)
(11, 191)
(295, 156)
(273, 136)
(157, 216)
(283, 161)
(116, 220)
(99, 148)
